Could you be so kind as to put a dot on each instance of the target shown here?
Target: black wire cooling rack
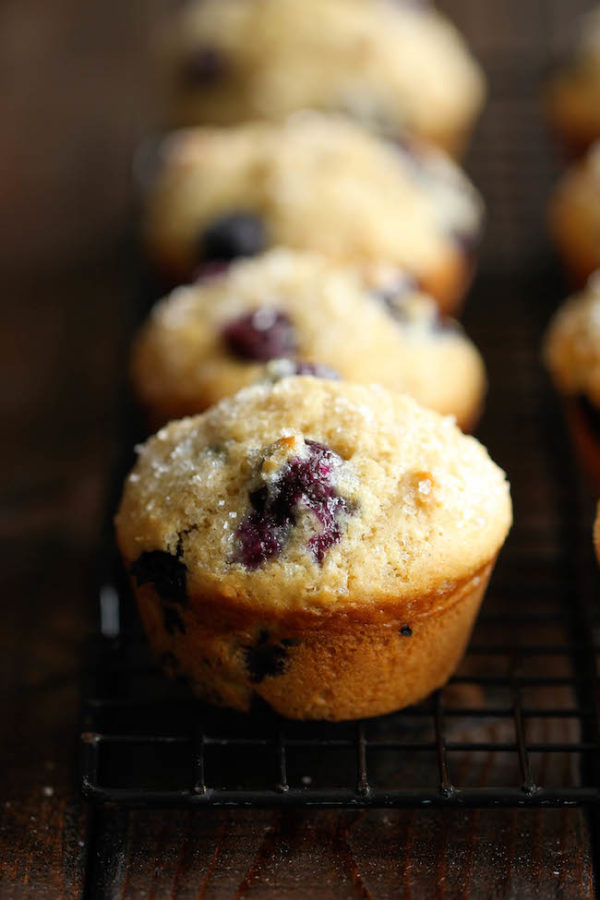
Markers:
(519, 724)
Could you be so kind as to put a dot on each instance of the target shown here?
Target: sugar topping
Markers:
(427, 504)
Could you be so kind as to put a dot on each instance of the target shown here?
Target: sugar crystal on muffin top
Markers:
(423, 505)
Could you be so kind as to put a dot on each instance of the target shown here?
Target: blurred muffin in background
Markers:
(289, 313)
(572, 355)
(575, 216)
(390, 65)
(573, 95)
(319, 183)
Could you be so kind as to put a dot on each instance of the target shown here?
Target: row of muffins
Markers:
(316, 538)
(572, 342)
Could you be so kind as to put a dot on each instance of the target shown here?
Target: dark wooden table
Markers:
(75, 95)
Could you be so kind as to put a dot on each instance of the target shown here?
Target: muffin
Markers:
(314, 183)
(321, 545)
(288, 312)
(572, 354)
(575, 217)
(391, 66)
(597, 534)
(573, 95)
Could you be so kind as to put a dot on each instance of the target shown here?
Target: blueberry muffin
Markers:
(391, 66)
(321, 545)
(573, 95)
(314, 183)
(575, 216)
(288, 313)
(572, 354)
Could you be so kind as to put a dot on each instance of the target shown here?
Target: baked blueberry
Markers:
(209, 270)
(232, 235)
(205, 67)
(165, 571)
(392, 295)
(265, 659)
(317, 370)
(304, 482)
(263, 334)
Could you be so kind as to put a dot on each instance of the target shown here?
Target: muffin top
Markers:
(389, 65)
(288, 312)
(312, 183)
(313, 496)
(572, 346)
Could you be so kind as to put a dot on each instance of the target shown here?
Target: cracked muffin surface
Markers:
(288, 313)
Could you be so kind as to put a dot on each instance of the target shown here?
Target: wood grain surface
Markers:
(75, 101)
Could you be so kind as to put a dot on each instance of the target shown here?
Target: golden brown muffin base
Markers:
(334, 667)
(586, 442)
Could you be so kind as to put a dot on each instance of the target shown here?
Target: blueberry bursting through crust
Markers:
(266, 658)
(305, 482)
(168, 574)
(232, 235)
(206, 67)
(261, 335)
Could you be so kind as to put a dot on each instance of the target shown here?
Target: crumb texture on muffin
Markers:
(410, 506)
(291, 313)
(389, 65)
